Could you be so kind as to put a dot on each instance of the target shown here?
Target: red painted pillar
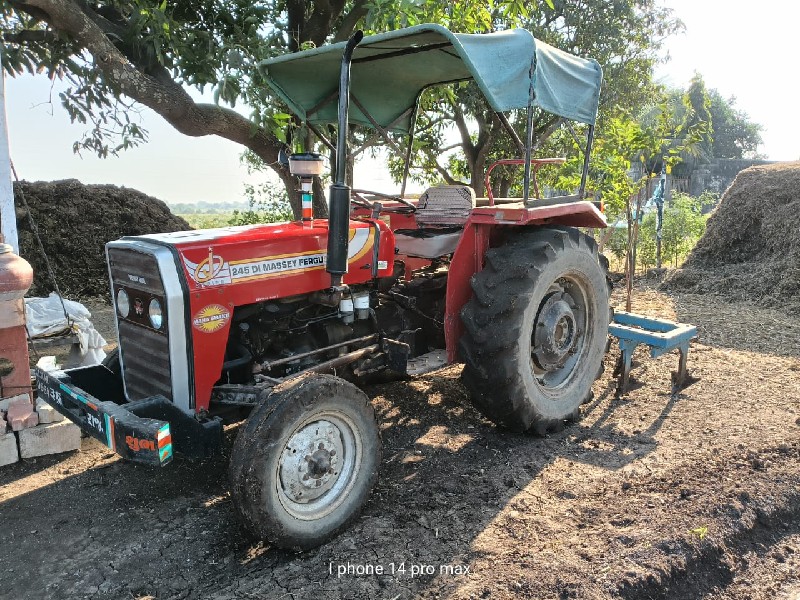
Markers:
(16, 277)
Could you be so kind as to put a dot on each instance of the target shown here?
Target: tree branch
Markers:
(318, 24)
(165, 97)
(31, 36)
(350, 20)
(463, 130)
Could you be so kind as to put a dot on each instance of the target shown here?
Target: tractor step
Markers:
(425, 363)
(661, 335)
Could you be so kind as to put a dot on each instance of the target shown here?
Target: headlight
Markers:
(123, 303)
(156, 318)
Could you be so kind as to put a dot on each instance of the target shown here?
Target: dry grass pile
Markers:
(751, 248)
(75, 221)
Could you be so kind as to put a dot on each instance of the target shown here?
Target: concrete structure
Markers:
(717, 176)
(6, 402)
(8, 449)
(52, 438)
(47, 414)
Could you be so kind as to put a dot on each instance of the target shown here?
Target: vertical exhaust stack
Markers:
(339, 220)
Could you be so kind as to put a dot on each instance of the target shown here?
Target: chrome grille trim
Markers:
(178, 358)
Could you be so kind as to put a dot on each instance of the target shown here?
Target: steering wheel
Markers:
(359, 200)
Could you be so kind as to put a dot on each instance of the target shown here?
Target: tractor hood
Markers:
(259, 262)
(390, 70)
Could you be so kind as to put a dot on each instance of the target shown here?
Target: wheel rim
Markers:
(318, 465)
(559, 338)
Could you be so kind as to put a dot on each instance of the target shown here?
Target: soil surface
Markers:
(74, 221)
(650, 495)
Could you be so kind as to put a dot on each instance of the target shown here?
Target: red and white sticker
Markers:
(211, 318)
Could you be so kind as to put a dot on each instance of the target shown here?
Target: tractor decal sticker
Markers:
(164, 443)
(358, 245)
(211, 318)
(215, 270)
(209, 271)
(287, 264)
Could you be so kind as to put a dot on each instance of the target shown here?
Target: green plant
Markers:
(700, 532)
(200, 220)
(684, 224)
(266, 204)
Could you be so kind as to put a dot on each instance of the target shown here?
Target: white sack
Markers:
(45, 318)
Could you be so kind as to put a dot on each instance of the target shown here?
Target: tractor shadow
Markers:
(447, 474)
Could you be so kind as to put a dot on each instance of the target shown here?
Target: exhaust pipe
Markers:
(339, 219)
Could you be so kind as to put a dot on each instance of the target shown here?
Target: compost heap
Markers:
(75, 221)
(751, 248)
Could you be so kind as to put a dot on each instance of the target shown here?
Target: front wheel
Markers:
(111, 362)
(536, 329)
(305, 462)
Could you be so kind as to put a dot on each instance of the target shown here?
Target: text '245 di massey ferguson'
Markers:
(278, 320)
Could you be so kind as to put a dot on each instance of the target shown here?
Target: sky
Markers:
(741, 47)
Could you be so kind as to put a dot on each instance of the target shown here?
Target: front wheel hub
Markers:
(311, 462)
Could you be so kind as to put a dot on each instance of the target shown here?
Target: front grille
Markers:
(145, 351)
(145, 358)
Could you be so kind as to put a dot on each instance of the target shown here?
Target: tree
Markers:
(625, 36)
(114, 52)
(150, 52)
(731, 133)
(735, 135)
(698, 112)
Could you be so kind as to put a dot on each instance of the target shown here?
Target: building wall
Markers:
(717, 176)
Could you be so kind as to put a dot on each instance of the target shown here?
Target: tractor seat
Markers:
(441, 213)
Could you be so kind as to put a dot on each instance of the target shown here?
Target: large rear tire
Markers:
(536, 329)
(305, 461)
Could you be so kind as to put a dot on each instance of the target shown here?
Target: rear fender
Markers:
(484, 225)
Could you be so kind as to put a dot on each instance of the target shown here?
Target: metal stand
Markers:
(661, 335)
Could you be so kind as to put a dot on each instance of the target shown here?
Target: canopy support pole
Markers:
(526, 182)
(586, 155)
(379, 134)
(322, 137)
(407, 163)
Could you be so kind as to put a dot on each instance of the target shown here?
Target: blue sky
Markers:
(741, 47)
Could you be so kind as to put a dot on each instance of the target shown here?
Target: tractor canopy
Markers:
(390, 70)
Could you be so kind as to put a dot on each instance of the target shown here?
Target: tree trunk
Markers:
(505, 187)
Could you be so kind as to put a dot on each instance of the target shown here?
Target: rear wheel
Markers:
(304, 463)
(536, 329)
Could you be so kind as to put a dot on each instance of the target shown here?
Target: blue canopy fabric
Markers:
(390, 70)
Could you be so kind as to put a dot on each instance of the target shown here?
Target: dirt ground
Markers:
(649, 496)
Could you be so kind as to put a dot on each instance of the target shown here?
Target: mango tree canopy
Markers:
(390, 70)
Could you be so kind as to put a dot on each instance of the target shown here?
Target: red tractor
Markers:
(279, 321)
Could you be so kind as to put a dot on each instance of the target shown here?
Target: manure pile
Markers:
(75, 221)
(751, 247)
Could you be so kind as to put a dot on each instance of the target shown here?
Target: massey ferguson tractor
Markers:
(278, 323)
